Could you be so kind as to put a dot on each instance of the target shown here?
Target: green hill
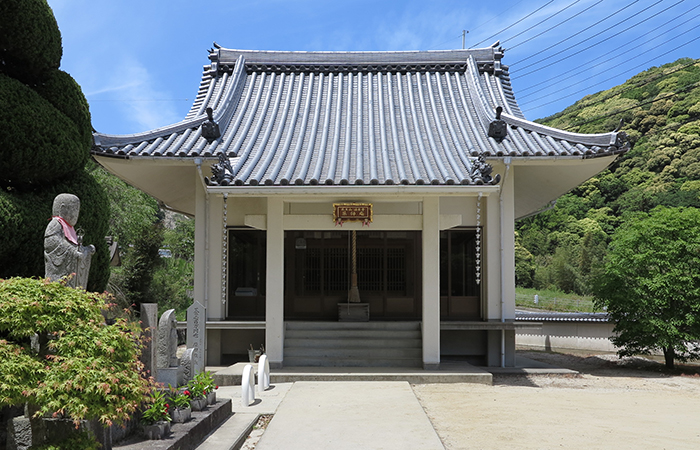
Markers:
(563, 247)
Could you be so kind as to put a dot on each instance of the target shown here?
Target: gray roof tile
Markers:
(306, 118)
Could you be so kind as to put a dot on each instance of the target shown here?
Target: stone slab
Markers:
(266, 402)
(186, 436)
(232, 433)
(232, 375)
(171, 376)
(350, 415)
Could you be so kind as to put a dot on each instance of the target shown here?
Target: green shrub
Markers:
(38, 143)
(64, 93)
(86, 369)
(30, 42)
(81, 440)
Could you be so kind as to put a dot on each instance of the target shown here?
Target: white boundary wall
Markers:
(591, 336)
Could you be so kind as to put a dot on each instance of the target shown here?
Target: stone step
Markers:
(351, 334)
(353, 343)
(353, 353)
(308, 325)
(298, 361)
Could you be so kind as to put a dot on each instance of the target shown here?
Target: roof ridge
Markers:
(325, 58)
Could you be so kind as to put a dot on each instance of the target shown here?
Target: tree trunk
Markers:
(669, 355)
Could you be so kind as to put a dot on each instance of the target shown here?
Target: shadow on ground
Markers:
(598, 365)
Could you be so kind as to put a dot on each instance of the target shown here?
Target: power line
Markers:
(497, 16)
(600, 41)
(601, 57)
(574, 35)
(605, 61)
(619, 111)
(434, 47)
(555, 26)
(543, 21)
(607, 79)
(512, 25)
(635, 67)
(641, 84)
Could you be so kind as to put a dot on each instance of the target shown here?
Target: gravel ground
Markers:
(631, 403)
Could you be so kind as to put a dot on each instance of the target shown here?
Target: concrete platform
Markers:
(449, 372)
(350, 415)
(527, 366)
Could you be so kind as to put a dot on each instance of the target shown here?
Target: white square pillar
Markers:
(508, 231)
(491, 252)
(274, 287)
(431, 282)
(216, 308)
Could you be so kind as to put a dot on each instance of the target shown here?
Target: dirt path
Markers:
(613, 404)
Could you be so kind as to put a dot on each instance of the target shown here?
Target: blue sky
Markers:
(140, 62)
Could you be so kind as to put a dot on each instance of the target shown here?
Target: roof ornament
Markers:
(480, 172)
(222, 172)
(498, 129)
(210, 129)
(620, 138)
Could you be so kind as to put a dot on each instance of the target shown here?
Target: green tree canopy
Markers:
(45, 140)
(651, 284)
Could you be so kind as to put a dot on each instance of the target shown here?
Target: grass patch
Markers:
(554, 300)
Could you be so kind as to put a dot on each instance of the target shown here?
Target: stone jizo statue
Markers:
(64, 253)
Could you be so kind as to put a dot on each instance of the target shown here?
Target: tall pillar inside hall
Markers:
(274, 287)
(508, 286)
(431, 282)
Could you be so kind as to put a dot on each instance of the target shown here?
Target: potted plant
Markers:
(155, 418)
(210, 386)
(181, 411)
(196, 388)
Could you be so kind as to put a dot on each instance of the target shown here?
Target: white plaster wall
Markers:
(586, 336)
(463, 206)
(239, 341)
(238, 208)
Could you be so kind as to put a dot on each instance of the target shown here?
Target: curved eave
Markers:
(539, 181)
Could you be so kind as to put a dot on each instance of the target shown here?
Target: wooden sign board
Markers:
(352, 212)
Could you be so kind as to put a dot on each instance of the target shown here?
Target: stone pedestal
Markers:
(19, 434)
(173, 376)
(353, 312)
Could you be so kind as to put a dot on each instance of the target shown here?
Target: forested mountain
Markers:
(563, 246)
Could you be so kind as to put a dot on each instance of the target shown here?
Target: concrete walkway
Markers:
(350, 415)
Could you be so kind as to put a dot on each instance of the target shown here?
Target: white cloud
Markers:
(134, 91)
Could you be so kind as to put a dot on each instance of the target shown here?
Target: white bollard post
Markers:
(263, 373)
(247, 386)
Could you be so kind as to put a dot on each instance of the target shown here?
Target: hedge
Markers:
(30, 41)
(38, 143)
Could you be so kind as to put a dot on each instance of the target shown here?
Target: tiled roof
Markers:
(556, 316)
(355, 118)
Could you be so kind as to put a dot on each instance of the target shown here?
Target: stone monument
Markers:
(64, 253)
(196, 321)
(149, 324)
(168, 368)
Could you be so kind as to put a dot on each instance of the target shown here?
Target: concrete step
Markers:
(353, 343)
(307, 325)
(353, 353)
(351, 334)
(298, 361)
